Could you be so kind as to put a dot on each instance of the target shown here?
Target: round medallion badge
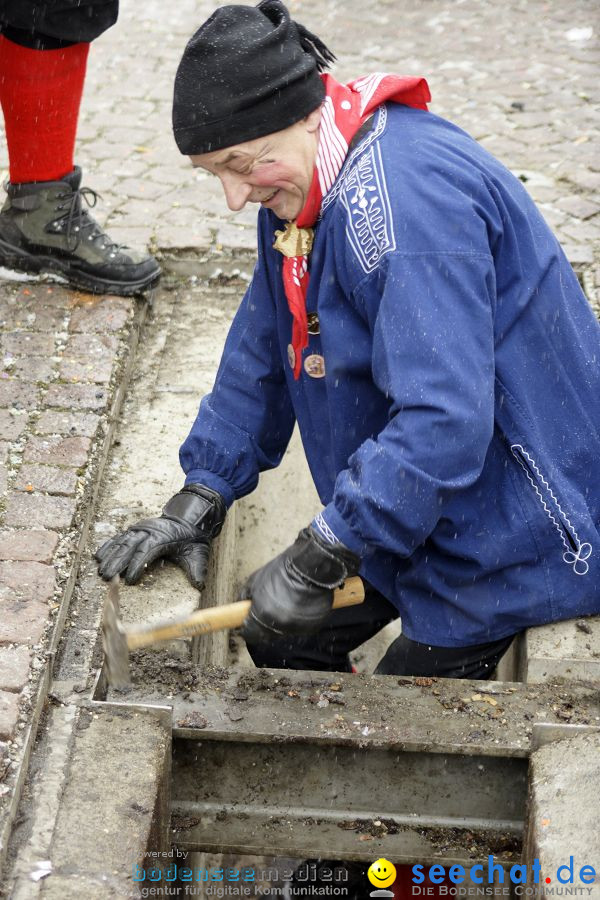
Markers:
(314, 365)
(291, 356)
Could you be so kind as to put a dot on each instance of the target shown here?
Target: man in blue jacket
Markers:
(412, 311)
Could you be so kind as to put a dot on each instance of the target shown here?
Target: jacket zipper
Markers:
(575, 553)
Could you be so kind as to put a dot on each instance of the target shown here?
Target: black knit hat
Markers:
(247, 72)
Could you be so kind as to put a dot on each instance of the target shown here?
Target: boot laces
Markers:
(80, 225)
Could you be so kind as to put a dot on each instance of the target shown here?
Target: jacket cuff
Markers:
(330, 518)
(212, 481)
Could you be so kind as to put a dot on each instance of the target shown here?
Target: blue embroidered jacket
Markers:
(455, 437)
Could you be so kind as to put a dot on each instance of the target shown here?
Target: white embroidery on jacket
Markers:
(373, 134)
(577, 552)
(370, 228)
(324, 530)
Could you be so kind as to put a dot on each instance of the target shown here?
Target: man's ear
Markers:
(313, 120)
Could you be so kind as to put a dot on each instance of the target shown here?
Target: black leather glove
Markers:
(293, 593)
(183, 533)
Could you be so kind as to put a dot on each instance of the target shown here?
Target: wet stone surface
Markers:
(532, 102)
(53, 422)
(470, 716)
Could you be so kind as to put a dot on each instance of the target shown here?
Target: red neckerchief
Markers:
(345, 108)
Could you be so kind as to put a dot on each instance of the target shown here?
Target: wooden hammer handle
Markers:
(231, 615)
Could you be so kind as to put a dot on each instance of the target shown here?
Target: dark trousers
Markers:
(41, 25)
(348, 628)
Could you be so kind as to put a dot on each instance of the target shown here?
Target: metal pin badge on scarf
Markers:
(294, 241)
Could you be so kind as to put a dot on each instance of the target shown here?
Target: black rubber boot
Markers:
(44, 229)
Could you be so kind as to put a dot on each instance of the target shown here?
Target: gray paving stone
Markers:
(142, 189)
(64, 451)
(17, 393)
(72, 423)
(76, 396)
(177, 176)
(14, 668)
(234, 236)
(108, 316)
(27, 511)
(9, 714)
(583, 179)
(27, 580)
(22, 622)
(47, 479)
(33, 368)
(92, 346)
(138, 211)
(587, 233)
(87, 370)
(554, 217)
(535, 137)
(74, 886)
(11, 424)
(197, 236)
(578, 255)
(131, 235)
(28, 545)
(580, 207)
(28, 343)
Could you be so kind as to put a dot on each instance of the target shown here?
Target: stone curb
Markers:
(114, 807)
(563, 811)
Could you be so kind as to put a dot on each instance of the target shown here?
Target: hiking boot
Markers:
(44, 228)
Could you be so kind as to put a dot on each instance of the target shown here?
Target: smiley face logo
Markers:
(381, 873)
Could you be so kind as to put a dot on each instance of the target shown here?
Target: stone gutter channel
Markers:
(67, 360)
(92, 417)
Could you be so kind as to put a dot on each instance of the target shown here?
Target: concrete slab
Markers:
(176, 369)
(74, 887)
(412, 714)
(567, 650)
(114, 807)
(563, 814)
(412, 753)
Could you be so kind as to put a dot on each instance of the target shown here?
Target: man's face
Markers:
(275, 171)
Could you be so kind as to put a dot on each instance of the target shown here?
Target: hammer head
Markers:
(114, 639)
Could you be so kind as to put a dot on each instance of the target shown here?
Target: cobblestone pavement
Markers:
(522, 78)
(61, 353)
